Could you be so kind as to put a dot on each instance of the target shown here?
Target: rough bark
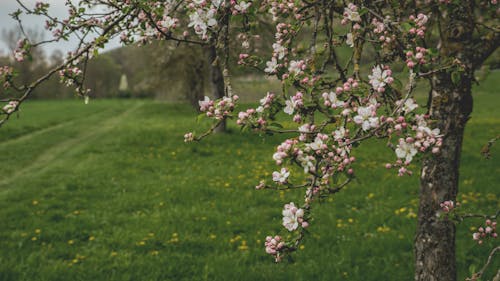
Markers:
(450, 107)
(216, 80)
(196, 87)
(435, 240)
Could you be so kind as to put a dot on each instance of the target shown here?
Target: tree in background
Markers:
(335, 103)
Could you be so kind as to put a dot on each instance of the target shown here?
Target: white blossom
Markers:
(405, 150)
(271, 66)
(281, 176)
(349, 40)
(279, 50)
(292, 216)
(365, 119)
(290, 106)
(379, 77)
(316, 145)
(351, 14)
(242, 6)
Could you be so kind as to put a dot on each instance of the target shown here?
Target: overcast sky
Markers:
(57, 9)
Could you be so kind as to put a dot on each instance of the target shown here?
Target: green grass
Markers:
(109, 191)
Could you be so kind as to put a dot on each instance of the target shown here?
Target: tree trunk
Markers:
(216, 80)
(196, 71)
(450, 106)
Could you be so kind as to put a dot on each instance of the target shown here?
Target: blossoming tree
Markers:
(334, 99)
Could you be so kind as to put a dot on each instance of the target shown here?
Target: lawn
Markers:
(109, 191)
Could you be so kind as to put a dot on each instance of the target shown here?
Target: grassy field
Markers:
(109, 191)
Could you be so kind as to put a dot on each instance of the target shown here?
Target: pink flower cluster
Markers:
(6, 75)
(21, 50)
(240, 7)
(420, 21)
(218, 109)
(188, 137)
(351, 84)
(10, 107)
(351, 14)
(273, 246)
(69, 75)
(255, 117)
(293, 217)
(447, 206)
(380, 29)
(6, 70)
(419, 137)
(488, 231)
(284, 149)
(249, 117)
(242, 58)
(380, 77)
(331, 99)
(283, 7)
(283, 30)
(416, 58)
(296, 68)
(41, 7)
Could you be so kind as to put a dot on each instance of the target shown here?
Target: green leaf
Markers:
(406, 26)
(277, 125)
(397, 84)
(455, 77)
(199, 117)
(472, 269)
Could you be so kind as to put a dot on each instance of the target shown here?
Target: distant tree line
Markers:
(179, 74)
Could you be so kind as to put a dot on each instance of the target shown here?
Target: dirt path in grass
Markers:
(35, 133)
(52, 154)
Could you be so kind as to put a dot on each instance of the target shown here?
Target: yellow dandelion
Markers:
(141, 243)
(38, 231)
(350, 220)
(411, 214)
(74, 260)
(491, 197)
(370, 195)
(302, 247)
(383, 229)
(91, 238)
(213, 236)
(243, 246)
(114, 254)
(34, 238)
(154, 253)
(71, 242)
(34, 202)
